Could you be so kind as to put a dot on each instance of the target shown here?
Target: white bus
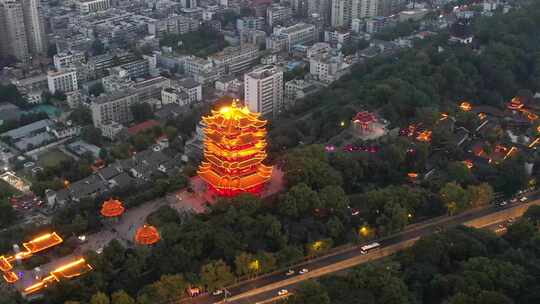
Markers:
(367, 248)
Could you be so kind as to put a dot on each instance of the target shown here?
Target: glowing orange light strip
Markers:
(58, 273)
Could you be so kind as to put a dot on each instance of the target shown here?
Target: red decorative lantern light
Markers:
(147, 235)
(112, 208)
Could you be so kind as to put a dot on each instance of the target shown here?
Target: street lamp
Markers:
(317, 245)
(364, 231)
(254, 265)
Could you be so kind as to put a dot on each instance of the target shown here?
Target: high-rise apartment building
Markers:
(344, 11)
(341, 13)
(35, 28)
(362, 9)
(299, 7)
(14, 41)
(389, 7)
(263, 90)
(22, 32)
(319, 8)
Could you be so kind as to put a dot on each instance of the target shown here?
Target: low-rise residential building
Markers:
(235, 60)
(228, 84)
(30, 136)
(173, 24)
(301, 33)
(149, 89)
(276, 43)
(64, 130)
(328, 67)
(377, 24)
(98, 65)
(337, 37)
(278, 14)
(318, 48)
(298, 88)
(133, 69)
(249, 23)
(174, 96)
(111, 130)
(113, 107)
(192, 88)
(253, 37)
(92, 6)
(68, 59)
(202, 70)
(73, 99)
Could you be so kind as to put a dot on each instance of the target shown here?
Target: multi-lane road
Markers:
(265, 288)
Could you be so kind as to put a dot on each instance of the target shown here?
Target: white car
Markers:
(304, 270)
(290, 272)
(523, 199)
(503, 203)
(217, 292)
(99, 250)
(283, 292)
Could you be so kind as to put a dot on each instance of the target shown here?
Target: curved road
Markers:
(265, 288)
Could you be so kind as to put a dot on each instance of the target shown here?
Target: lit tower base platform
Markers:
(234, 149)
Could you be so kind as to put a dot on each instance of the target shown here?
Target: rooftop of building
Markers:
(297, 27)
(263, 72)
(104, 98)
(143, 126)
(150, 81)
(27, 129)
(59, 72)
(188, 83)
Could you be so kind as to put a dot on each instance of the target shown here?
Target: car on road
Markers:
(514, 200)
(290, 272)
(304, 270)
(523, 199)
(217, 292)
(503, 203)
(99, 250)
(283, 292)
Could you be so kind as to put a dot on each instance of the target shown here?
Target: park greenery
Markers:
(200, 43)
(458, 266)
(11, 94)
(246, 236)
(7, 214)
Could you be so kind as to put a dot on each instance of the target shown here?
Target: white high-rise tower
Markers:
(263, 90)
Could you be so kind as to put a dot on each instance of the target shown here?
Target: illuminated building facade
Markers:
(234, 149)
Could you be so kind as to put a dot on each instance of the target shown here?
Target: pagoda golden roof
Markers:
(234, 117)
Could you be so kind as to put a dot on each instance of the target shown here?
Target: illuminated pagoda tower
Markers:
(363, 121)
(234, 148)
